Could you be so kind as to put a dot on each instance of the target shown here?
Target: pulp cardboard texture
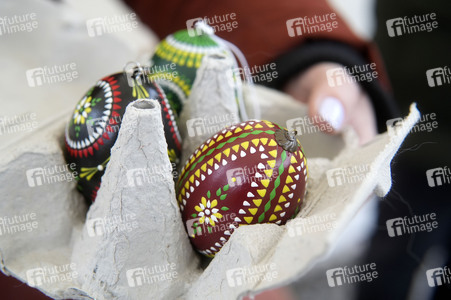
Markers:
(213, 105)
(131, 243)
(141, 250)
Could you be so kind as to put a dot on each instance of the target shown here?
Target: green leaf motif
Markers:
(95, 101)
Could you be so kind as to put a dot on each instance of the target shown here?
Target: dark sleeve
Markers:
(309, 53)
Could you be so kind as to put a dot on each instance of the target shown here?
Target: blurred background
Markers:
(61, 38)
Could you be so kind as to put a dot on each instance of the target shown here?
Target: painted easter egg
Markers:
(250, 173)
(95, 123)
(176, 60)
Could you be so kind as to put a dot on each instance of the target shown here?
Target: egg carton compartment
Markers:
(131, 243)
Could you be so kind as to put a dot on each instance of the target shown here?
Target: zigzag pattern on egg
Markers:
(240, 176)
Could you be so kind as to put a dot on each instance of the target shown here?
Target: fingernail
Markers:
(333, 112)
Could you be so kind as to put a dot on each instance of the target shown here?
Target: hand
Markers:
(340, 106)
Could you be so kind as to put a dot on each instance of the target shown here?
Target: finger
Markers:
(343, 106)
(332, 106)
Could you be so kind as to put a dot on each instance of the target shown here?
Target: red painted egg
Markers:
(250, 173)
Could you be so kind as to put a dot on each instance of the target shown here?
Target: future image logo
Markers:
(209, 125)
(438, 276)
(107, 225)
(144, 176)
(309, 25)
(438, 176)
(50, 175)
(438, 76)
(111, 24)
(18, 223)
(311, 225)
(195, 228)
(309, 125)
(193, 30)
(349, 275)
(217, 23)
(408, 225)
(250, 176)
(409, 25)
(18, 23)
(346, 175)
(50, 275)
(239, 276)
(51, 74)
(351, 74)
(151, 275)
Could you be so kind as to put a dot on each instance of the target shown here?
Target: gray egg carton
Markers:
(131, 243)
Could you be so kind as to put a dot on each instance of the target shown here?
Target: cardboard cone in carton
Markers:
(134, 243)
(211, 105)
